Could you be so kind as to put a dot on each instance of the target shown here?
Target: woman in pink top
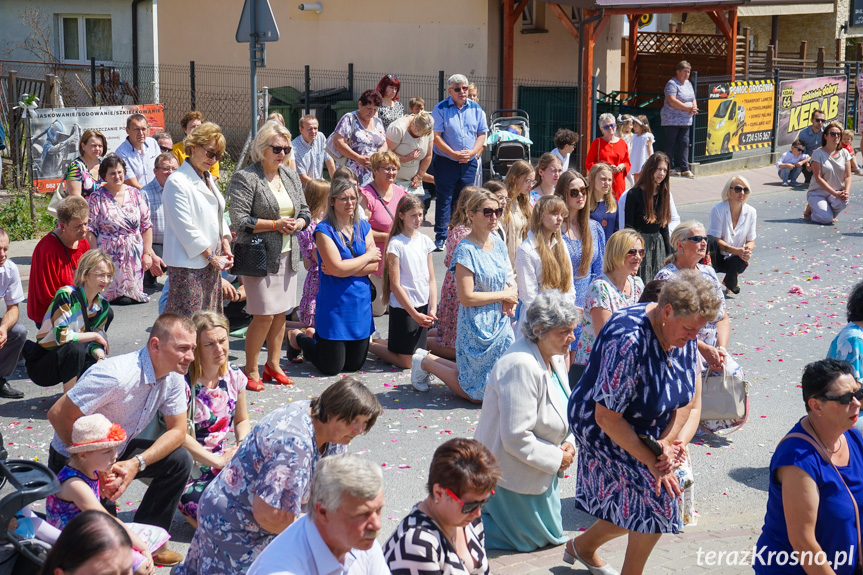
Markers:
(379, 200)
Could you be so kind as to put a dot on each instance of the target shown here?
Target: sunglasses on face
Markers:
(800, 149)
(818, 120)
(577, 192)
(164, 148)
(473, 505)
(696, 239)
(281, 150)
(636, 252)
(213, 155)
(739, 189)
(608, 127)
(489, 212)
(845, 398)
(460, 89)
(837, 134)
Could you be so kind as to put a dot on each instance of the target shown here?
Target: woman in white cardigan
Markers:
(197, 243)
(524, 423)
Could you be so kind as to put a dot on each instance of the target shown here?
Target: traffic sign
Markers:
(265, 22)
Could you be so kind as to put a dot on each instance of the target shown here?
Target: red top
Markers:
(52, 266)
(613, 154)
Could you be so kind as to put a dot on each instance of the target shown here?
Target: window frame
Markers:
(82, 37)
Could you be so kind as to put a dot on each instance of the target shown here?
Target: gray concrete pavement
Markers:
(774, 334)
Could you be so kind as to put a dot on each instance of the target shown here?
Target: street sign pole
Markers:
(257, 25)
(253, 73)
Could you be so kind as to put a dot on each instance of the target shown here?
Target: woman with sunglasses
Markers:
(648, 211)
(618, 287)
(267, 203)
(731, 232)
(810, 510)
(197, 243)
(444, 532)
(830, 187)
(612, 150)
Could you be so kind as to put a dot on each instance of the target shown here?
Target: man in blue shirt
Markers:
(139, 151)
(811, 138)
(460, 129)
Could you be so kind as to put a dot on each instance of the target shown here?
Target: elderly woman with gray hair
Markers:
(410, 139)
(523, 422)
(612, 150)
(268, 208)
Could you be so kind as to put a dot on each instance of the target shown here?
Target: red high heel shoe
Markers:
(270, 375)
(253, 384)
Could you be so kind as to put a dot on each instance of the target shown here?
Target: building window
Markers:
(533, 17)
(85, 37)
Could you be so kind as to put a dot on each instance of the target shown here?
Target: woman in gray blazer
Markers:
(524, 423)
(267, 204)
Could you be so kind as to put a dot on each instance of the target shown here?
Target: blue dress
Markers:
(343, 306)
(601, 214)
(835, 526)
(848, 346)
(483, 333)
(581, 284)
(628, 372)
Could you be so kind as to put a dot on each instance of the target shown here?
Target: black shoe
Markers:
(9, 392)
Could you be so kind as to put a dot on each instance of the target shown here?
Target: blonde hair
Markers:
(276, 117)
(645, 124)
(380, 159)
(610, 202)
(424, 122)
(459, 215)
(406, 204)
(316, 192)
(205, 320)
(736, 178)
(268, 132)
(474, 204)
(617, 247)
(680, 233)
(202, 135)
(89, 261)
(517, 201)
(544, 162)
(582, 220)
(554, 260)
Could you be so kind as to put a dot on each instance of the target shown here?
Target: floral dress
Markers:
(308, 249)
(629, 373)
(447, 310)
(483, 333)
(602, 293)
(275, 463)
(214, 423)
(362, 141)
(580, 284)
(59, 512)
(119, 230)
(389, 114)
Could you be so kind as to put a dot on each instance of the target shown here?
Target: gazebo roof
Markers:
(647, 6)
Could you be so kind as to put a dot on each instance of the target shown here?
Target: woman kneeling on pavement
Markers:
(811, 512)
(641, 380)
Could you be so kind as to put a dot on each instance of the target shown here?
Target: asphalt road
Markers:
(774, 334)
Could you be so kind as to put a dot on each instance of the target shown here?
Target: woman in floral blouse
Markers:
(360, 134)
(217, 395)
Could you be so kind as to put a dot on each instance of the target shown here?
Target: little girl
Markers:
(847, 139)
(410, 285)
(94, 450)
(624, 126)
(316, 193)
(641, 146)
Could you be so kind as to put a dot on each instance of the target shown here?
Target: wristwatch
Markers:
(142, 465)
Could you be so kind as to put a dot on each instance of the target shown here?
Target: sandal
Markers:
(254, 384)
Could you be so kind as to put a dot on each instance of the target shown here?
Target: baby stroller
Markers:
(508, 141)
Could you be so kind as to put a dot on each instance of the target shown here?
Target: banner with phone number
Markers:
(799, 98)
(740, 116)
(57, 131)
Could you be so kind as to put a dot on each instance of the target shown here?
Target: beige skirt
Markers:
(273, 294)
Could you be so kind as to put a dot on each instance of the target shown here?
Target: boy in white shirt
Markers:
(792, 162)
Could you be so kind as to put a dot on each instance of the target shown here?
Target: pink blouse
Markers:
(379, 218)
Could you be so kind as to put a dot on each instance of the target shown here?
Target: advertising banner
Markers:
(799, 98)
(739, 116)
(56, 132)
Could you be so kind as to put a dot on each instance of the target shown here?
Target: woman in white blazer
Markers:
(197, 243)
(524, 423)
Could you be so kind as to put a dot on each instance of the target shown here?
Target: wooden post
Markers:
(771, 55)
(839, 43)
(820, 60)
(803, 54)
(14, 124)
(746, 51)
(49, 98)
(633, 52)
(732, 42)
(508, 47)
(859, 56)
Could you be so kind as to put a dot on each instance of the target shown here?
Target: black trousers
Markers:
(169, 477)
(677, 146)
(332, 356)
(731, 266)
(59, 365)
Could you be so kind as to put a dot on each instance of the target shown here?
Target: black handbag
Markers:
(250, 259)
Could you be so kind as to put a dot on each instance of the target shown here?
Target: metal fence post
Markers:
(192, 88)
(694, 81)
(308, 89)
(847, 93)
(594, 99)
(351, 79)
(857, 94)
(776, 101)
(93, 79)
(440, 86)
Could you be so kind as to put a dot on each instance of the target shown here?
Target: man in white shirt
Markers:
(12, 333)
(339, 533)
(310, 151)
(139, 151)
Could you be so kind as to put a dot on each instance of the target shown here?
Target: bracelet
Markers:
(274, 225)
(212, 255)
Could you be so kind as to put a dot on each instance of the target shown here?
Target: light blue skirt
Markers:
(518, 522)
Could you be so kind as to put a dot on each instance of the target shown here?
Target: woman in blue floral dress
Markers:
(640, 379)
(265, 487)
(217, 396)
(487, 294)
(360, 134)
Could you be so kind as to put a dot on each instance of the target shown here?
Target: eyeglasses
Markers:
(460, 89)
(281, 150)
(389, 168)
(636, 252)
(164, 148)
(843, 399)
(837, 134)
(212, 155)
(167, 168)
(347, 199)
(473, 505)
(576, 192)
(608, 127)
(739, 189)
(103, 277)
(696, 239)
(489, 212)
(530, 182)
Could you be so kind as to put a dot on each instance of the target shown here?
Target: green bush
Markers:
(15, 218)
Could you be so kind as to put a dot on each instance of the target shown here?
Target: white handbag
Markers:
(724, 395)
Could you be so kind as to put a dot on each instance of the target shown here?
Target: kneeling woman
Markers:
(72, 336)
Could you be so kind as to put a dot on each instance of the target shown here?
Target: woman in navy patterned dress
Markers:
(640, 380)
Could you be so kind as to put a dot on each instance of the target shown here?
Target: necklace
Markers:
(824, 445)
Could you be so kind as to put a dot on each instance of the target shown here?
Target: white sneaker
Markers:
(419, 376)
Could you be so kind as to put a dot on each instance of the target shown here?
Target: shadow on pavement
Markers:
(755, 477)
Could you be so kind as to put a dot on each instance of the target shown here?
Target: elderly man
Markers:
(165, 141)
(13, 335)
(460, 129)
(338, 534)
(811, 138)
(310, 151)
(164, 165)
(129, 389)
(139, 151)
(55, 257)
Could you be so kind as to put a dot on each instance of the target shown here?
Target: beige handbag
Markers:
(59, 195)
(724, 395)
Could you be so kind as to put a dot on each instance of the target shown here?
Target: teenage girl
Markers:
(600, 197)
(641, 146)
(548, 171)
(409, 284)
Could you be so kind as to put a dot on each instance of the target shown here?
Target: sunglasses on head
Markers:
(739, 189)
(696, 239)
(576, 192)
(213, 155)
(845, 398)
(489, 212)
(473, 505)
(636, 252)
(281, 150)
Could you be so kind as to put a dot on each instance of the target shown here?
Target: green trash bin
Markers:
(342, 107)
(291, 115)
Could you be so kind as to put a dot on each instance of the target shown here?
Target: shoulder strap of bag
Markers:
(824, 455)
(372, 186)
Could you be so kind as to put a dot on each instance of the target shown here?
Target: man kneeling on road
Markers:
(128, 390)
(339, 533)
